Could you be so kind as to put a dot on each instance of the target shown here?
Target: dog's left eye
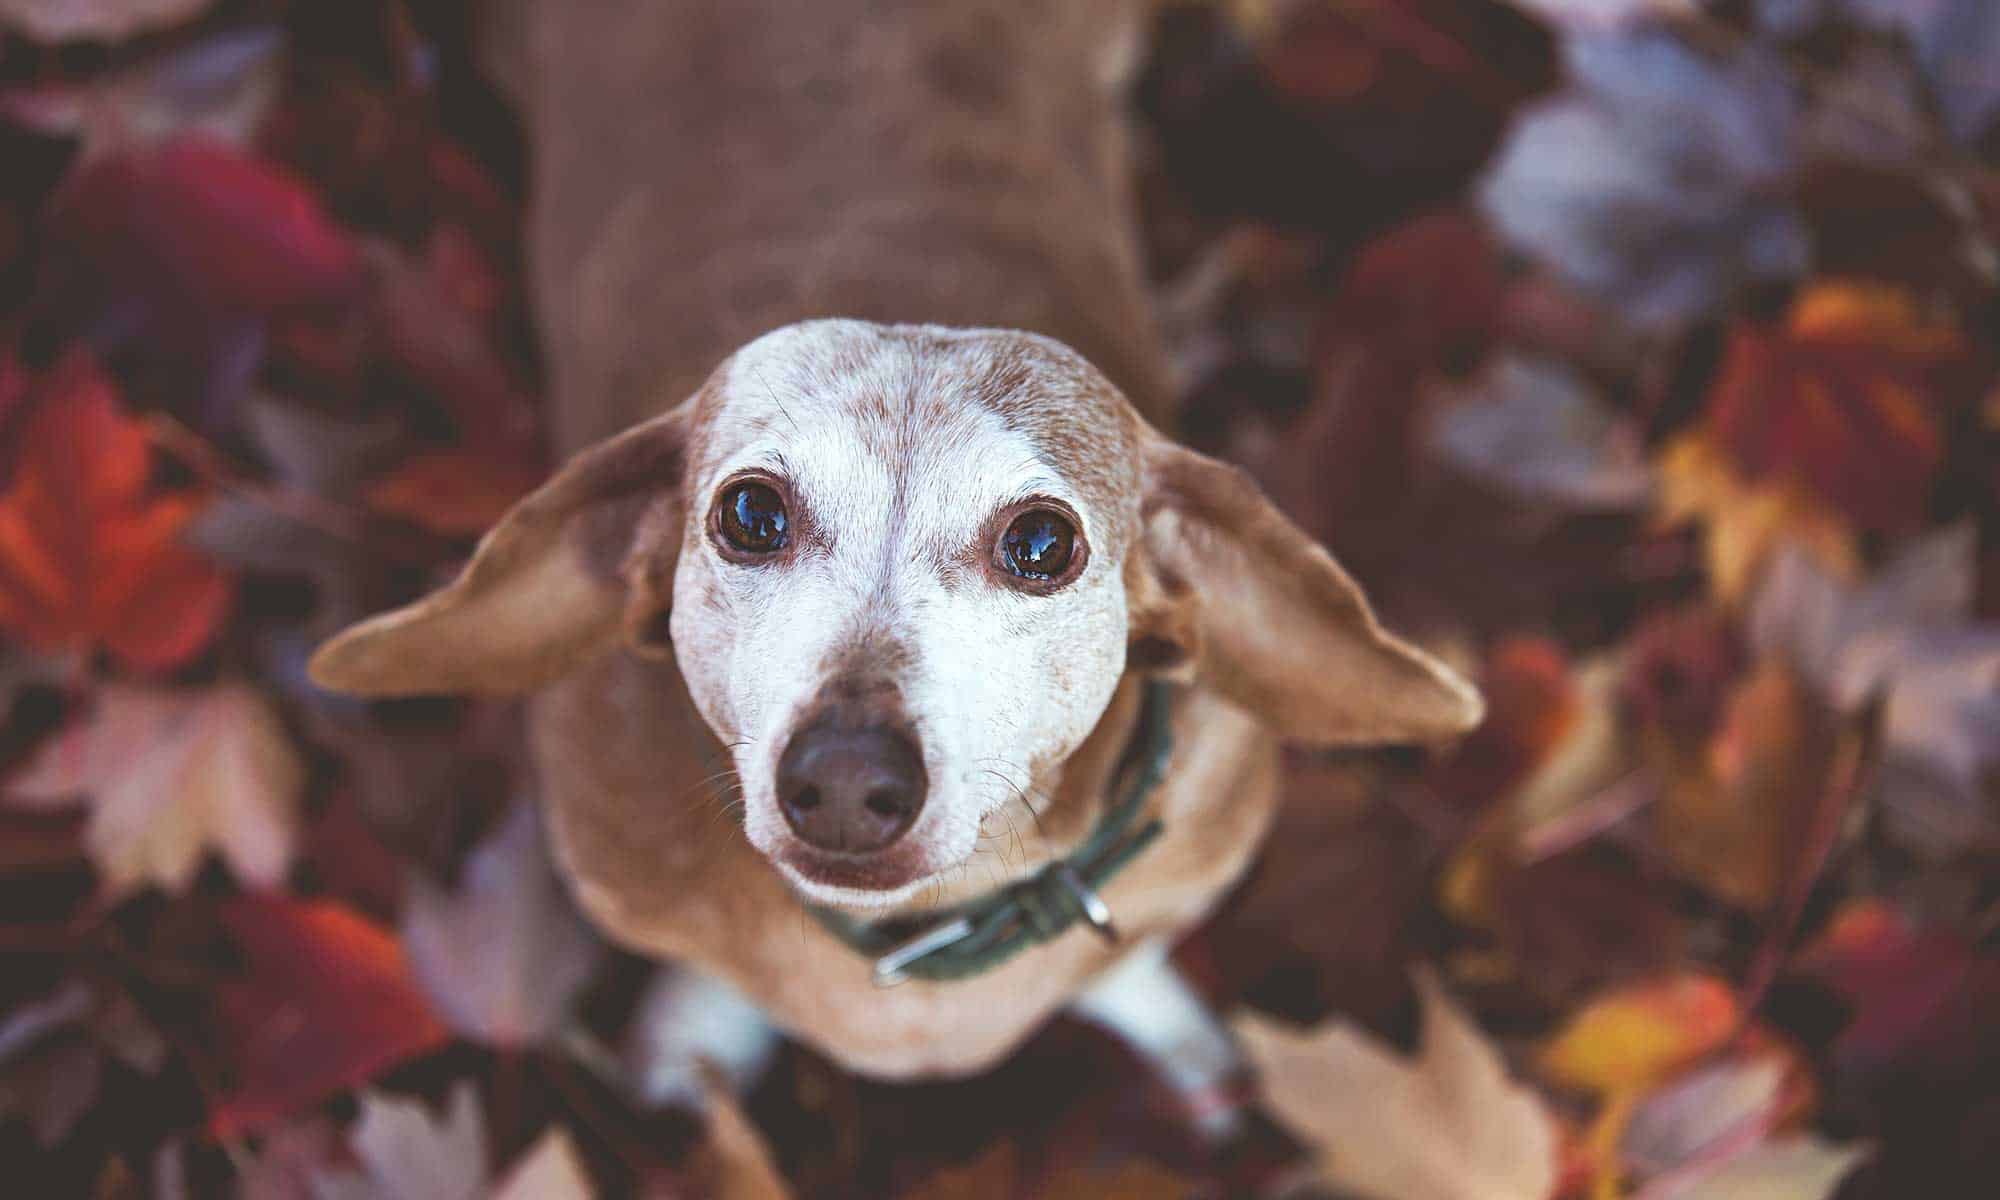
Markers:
(1038, 545)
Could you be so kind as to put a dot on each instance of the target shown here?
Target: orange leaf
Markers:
(1849, 400)
(1633, 1037)
(88, 552)
(458, 493)
(326, 1002)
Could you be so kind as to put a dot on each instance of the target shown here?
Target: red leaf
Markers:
(193, 222)
(458, 493)
(88, 553)
(326, 1003)
(1851, 397)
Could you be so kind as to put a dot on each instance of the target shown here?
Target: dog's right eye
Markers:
(751, 517)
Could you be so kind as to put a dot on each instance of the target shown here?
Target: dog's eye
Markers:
(1038, 545)
(752, 518)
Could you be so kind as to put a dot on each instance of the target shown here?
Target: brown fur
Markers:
(708, 170)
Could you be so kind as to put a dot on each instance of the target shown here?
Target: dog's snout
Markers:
(851, 790)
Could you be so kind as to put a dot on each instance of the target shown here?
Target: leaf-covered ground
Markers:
(1641, 356)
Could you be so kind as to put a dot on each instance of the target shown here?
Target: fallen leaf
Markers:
(503, 956)
(999, 1174)
(221, 87)
(1446, 1125)
(1734, 809)
(550, 1170)
(202, 233)
(1794, 1168)
(1903, 638)
(287, 1159)
(1532, 427)
(1632, 1037)
(57, 21)
(1656, 180)
(407, 1153)
(325, 1001)
(1744, 522)
(1709, 1115)
(89, 553)
(168, 775)
(1848, 399)
(457, 492)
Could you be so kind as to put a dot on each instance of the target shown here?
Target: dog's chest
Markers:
(659, 862)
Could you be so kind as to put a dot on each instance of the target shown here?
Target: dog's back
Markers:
(710, 169)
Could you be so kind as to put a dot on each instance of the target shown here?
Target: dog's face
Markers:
(902, 571)
(898, 595)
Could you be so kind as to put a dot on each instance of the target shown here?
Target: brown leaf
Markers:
(168, 775)
(502, 957)
(1446, 1125)
(56, 21)
(457, 492)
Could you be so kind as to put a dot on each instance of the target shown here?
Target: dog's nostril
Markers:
(850, 790)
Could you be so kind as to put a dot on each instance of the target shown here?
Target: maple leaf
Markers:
(1446, 1125)
(55, 21)
(406, 1152)
(1904, 637)
(1743, 521)
(88, 552)
(460, 492)
(170, 774)
(1847, 399)
(1793, 1168)
(1635, 1036)
(503, 957)
(326, 1001)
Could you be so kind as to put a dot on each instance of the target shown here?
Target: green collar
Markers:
(962, 941)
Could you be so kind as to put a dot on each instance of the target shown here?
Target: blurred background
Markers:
(1638, 355)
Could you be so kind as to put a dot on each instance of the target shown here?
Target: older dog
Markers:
(918, 584)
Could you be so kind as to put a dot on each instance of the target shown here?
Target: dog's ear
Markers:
(1225, 589)
(548, 586)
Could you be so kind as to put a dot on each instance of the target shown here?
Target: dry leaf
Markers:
(1796, 1168)
(171, 774)
(1711, 1114)
(1446, 1125)
(407, 1153)
(1743, 523)
(55, 21)
(324, 1002)
(458, 492)
(550, 1170)
(503, 956)
(89, 553)
(1633, 1037)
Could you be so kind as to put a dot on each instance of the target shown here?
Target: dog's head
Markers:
(902, 570)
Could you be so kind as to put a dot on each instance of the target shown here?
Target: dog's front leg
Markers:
(691, 1024)
(1146, 1003)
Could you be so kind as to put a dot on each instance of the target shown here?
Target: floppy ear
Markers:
(548, 586)
(1230, 591)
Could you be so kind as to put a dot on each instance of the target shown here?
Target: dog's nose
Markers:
(850, 790)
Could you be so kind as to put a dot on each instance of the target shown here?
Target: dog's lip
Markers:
(887, 872)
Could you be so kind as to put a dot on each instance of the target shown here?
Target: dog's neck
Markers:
(710, 169)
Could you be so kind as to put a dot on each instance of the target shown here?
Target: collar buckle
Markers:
(889, 967)
(1095, 911)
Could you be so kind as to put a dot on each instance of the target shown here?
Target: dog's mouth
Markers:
(869, 881)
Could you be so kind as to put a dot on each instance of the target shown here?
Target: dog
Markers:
(1000, 669)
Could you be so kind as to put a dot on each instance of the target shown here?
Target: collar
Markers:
(980, 934)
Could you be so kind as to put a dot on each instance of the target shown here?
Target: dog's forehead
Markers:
(971, 414)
